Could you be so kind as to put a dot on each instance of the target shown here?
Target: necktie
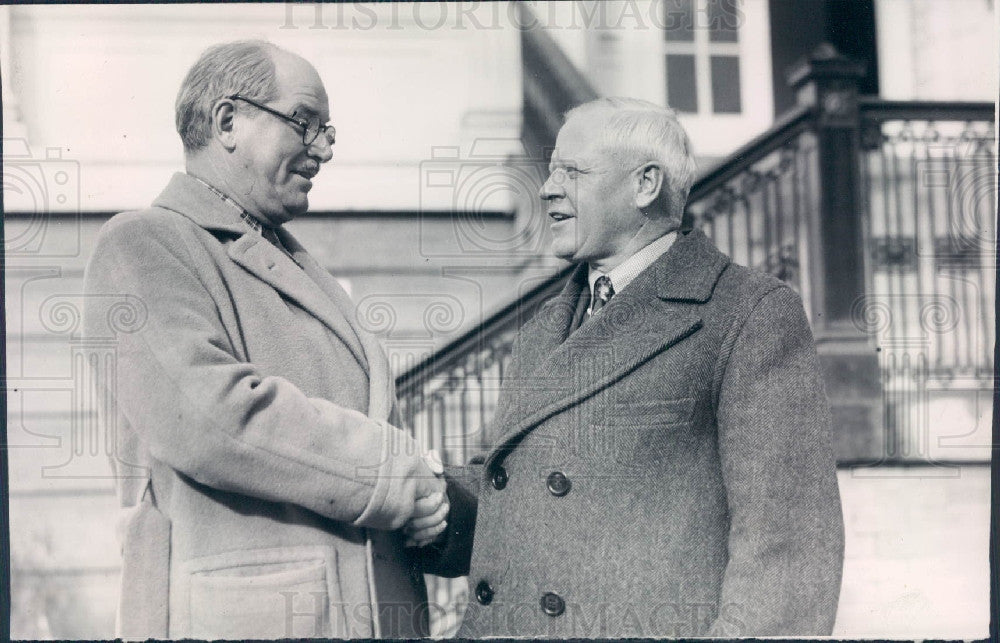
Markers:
(603, 292)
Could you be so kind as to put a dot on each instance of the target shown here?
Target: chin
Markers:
(297, 208)
(563, 253)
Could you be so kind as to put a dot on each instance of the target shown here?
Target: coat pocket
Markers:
(652, 413)
(637, 433)
(282, 592)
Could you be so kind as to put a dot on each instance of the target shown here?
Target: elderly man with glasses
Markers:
(262, 475)
(660, 459)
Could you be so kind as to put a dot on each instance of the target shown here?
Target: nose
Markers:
(321, 149)
(552, 188)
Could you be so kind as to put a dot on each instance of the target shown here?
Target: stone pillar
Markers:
(827, 82)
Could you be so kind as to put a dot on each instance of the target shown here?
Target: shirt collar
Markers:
(248, 218)
(623, 274)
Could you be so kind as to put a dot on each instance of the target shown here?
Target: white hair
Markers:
(637, 131)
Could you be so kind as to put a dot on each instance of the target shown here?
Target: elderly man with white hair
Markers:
(263, 480)
(661, 461)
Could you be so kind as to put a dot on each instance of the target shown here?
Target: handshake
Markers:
(428, 521)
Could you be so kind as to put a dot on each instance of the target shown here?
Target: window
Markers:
(702, 48)
(682, 87)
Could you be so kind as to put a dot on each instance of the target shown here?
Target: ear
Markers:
(650, 185)
(223, 127)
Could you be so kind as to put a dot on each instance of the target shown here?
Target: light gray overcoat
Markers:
(239, 379)
(664, 470)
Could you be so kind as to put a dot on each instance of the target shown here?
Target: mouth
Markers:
(559, 216)
(307, 173)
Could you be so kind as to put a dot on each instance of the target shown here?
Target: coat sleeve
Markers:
(450, 557)
(219, 420)
(786, 538)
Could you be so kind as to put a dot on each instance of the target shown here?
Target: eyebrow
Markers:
(305, 110)
(565, 164)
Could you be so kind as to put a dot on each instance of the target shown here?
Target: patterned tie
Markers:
(603, 292)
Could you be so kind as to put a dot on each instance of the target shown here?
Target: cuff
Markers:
(391, 503)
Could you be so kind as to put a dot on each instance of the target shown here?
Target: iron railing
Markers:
(929, 181)
(449, 398)
(754, 205)
(929, 173)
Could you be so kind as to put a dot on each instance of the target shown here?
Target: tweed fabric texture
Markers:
(242, 382)
(690, 419)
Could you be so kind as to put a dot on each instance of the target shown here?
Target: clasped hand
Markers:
(430, 512)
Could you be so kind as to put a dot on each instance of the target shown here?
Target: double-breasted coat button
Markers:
(558, 483)
(553, 604)
(484, 592)
(499, 477)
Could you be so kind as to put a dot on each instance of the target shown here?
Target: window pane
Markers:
(725, 84)
(678, 20)
(682, 89)
(723, 20)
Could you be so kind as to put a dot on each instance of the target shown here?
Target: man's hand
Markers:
(430, 512)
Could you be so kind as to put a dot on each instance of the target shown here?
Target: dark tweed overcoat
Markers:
(664, 470)
(240, 384)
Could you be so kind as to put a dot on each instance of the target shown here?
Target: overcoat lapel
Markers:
(555, 370)
(538, 338)
(328, 303)
(380, 383)
(545, 332)
(272, 266)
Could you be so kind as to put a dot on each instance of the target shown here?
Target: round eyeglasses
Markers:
(311, 127)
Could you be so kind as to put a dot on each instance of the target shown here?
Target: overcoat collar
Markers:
(554, 369)
(328, 303)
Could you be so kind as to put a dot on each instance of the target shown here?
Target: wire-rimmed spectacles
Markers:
(311, 128)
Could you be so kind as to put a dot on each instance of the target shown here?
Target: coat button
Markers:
(499, 478)
(484, 592)
(558, 483)
(553, 604)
